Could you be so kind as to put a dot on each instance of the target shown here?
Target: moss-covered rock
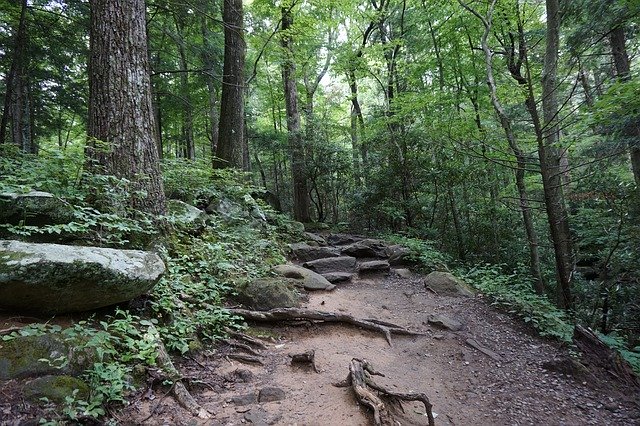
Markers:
(269, 293)
(35, 208)
(55, 389)
(51, 353)
(185, 214)
(53, 278)
(446, 283)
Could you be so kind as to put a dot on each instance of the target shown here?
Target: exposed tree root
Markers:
(179, 391)
(382, 401)
(247, 359)
(596, 353)
(295, 314)
(245, 338)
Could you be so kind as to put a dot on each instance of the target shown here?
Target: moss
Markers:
(56, 389)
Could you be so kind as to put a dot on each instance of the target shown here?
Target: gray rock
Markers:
(270, 394)
(446, 283)
(445, 322)
(53, 278)
(35, 208)
(342, 239)
(269, 293)
(332, 264)
(338, 277)
(367, 248)
(399, 255)
(240, 375)
(55, 388)
(304, 252)
(374, 266)
(315, 238)
(307, 279)
(25, 356)
(246, 399)
(404, 273)
(185, 214)
(224, 207)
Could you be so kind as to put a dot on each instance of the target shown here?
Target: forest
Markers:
(496, 139)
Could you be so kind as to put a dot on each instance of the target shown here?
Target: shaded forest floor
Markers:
(466, 386)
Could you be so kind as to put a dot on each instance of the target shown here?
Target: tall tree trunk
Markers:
(623, 71)
(231, 130)
(121, 125)
(187, 145)
(505, 122)
(549, 153)
(209, 77)
(16, 99)
(296, 142)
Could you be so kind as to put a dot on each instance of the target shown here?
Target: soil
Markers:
(466, 386)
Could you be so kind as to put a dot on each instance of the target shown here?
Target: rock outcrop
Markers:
(305, 252)
(35, 208)
(305, 278)
(54, 278)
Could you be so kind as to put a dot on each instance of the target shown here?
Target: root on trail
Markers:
(382, 401)
(179, 391)
(296, 314)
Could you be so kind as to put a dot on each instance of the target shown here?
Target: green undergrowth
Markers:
(512, 291)
(206, 262)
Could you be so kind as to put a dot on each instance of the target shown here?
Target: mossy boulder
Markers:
(269, 293)
(56, 388)
(35, 208)
(54, 278)
(446, 283)
(185, 214)
(47, 354)
(304, 278)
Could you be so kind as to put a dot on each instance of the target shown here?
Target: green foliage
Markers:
(513, 292)
(423, 253)
(618, 343)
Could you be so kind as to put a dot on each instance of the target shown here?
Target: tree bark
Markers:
(296, 141)
(505, 122)
(187, 147)
(623, 71)
(549, 153)
(121, 126)
(231, 129)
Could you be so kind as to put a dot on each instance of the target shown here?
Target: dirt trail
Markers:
(466, 387)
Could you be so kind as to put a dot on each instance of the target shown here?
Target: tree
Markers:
(231, 131)
(121, 118)
(296, 141)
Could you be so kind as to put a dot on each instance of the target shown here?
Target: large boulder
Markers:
(54, 278)
(400, 255)
(332, 264)
(56, 389)
(304, 252)
(35, 208)
(342, 239)
(338, 277)
(446, 283)
(264, 294)
(307, 279)
(185, 214)
(225, 208)
(374, 266)
(38, 355)
(315, 238)
(367, 248)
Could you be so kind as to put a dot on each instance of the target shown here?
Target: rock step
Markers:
(332, 264)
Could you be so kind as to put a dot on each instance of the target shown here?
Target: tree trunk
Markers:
(505, 122)
(547, 137)
(121, 124)
(623, 71)
(17, 105)
(296, 142)
(209, 77)
(187, 145)
(231, 130)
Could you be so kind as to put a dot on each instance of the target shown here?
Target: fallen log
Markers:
(382, 401)
(596, 353)
(296, 314)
